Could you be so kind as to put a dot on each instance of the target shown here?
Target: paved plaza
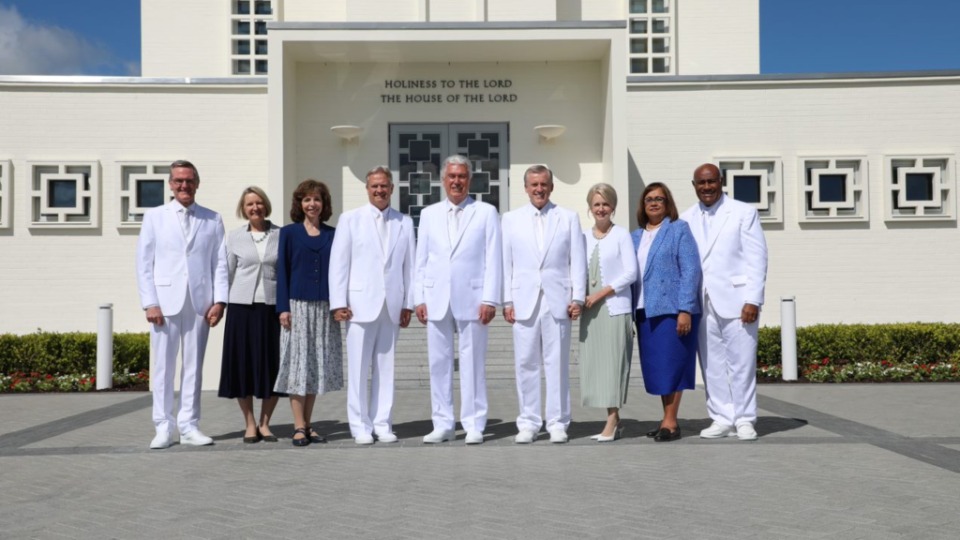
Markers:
(833, 461)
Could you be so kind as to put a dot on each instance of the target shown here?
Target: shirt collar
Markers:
(463, 204)
(374, 210)
(543, 211)
(712, 210)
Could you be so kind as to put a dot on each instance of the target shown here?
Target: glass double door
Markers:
(417, 151)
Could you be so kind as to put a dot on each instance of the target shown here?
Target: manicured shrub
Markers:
(71, 353)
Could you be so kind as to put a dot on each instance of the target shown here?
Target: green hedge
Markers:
(840, 344)
(74, 352)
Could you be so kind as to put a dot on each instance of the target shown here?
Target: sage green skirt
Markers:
(606, 347)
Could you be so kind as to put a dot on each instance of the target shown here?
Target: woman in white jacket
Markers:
(606, 327)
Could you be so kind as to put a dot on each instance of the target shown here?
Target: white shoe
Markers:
(474, 437)
(387, 438)
(717, 431)
(746, 432)
(438, 436)
(195, 438)
(161, 441)
(366, 438)
(526, 436)
(558, 436)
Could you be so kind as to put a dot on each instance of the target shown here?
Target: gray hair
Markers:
(538, 169)
(184, 164)
(605, 191)
(457, 160)
(380, 169)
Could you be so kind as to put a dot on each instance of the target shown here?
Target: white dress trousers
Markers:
(473, 378)
(542, 339)
(370, 350)
(189, 331)
(728, 359)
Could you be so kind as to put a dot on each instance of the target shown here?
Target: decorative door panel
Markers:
(418, 150)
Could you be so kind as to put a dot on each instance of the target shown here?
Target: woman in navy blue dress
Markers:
(667, 304)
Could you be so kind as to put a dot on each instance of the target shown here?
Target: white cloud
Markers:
(28, 48)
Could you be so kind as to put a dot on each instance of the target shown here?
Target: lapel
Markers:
(173, 222)
(196, 223)
(657, 242)
(719, 220)
(394, 223)
(549, 230)
(273, 239)
(469, 210)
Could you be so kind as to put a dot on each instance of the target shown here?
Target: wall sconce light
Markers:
(549, 132)
(347, 133)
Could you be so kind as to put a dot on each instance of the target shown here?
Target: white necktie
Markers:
(453, 224)
(382, 229)
(538, 217)
(706, 225)
(185, 222)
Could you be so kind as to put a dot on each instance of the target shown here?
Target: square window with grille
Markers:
(143, 185)
(919, 188)
(756, 181)
(64, 194)
(834, 189)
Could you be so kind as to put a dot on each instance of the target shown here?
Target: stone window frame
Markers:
(770, 169)
(131, 216)
(6, 180)
(669, 36)
(942, 167)
(855, 167)
(85, 214)
(252, 57)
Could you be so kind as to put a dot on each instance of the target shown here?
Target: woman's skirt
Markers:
(668, 362)
(311, 359)
(606, 345)
(251, 351)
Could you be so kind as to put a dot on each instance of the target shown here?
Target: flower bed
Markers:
(39, 382)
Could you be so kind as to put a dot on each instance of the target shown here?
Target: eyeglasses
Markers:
(651, 200)
(180, 182)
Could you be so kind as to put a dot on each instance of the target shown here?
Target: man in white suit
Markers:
(545, 279)
(733, 254)
(371, 289)
(183, 283)
(457, 290)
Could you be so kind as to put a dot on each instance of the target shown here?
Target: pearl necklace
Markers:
(263, 236)
(600, 236)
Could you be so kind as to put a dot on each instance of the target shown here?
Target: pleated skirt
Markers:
(606, 346)
(251, 351)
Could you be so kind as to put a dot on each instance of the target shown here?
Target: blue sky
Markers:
(102, 37)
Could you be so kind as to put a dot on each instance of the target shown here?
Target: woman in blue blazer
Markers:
(311, 360)
(667, 302)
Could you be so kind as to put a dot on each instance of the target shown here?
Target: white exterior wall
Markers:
(385, 10)
(455, 10)
(717, 37)
(528, 10)
(602, 10)
(568, 93)
(840, 273)
(185, 38)
(54, 279)
(312, 10)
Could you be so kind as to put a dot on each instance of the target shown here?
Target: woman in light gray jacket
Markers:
(251, 343)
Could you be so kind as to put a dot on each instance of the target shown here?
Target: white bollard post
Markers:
(105, 347)
(788, 338)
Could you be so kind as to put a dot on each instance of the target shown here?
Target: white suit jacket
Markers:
(733, 258)
(361, 276)
(245, 267)
(466, 274)
(560, 269)
(169, 266)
